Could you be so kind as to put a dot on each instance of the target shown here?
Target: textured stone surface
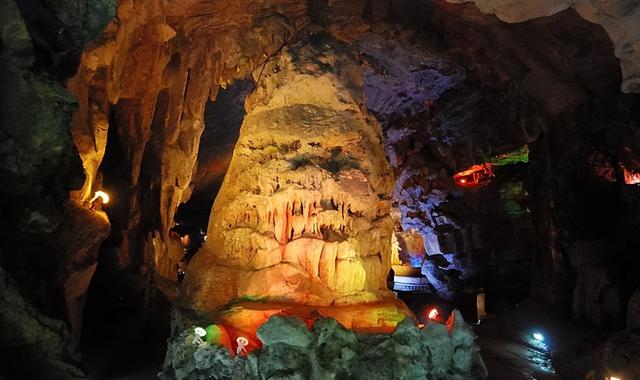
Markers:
(190, 48)
(78, 242)
(38, 166)
(303, 213)
(621, 355)
(620, 18)
(596, 298)
(287, 331)
(27, 334)
(331, 352)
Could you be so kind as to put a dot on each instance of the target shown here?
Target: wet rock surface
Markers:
(511, 352)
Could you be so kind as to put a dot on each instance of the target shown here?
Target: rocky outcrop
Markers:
(621, 354)
(621, 20)
(148, 78)
(303, 213)
(33, 345)
(78, 241)
(38, 167)
(327, 350)
(596, 296)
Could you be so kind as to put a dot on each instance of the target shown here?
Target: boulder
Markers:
(284, 330)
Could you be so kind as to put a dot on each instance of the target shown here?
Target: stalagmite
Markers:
(301, 244)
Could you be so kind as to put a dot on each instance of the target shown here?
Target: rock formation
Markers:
(311, 222)
(154, 93)
(48, 244)
(327, 350)
(620, 18)
(303, 213)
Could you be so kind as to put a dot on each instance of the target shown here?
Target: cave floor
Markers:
(511, 353)
(122, 343)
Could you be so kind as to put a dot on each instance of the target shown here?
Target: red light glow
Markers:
(475, 176)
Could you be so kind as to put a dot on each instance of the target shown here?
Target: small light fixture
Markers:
(199, 334)
(613, 378)
(242, 343)
(433, 314)
(538, 336)
(102, 195)
(99, 195)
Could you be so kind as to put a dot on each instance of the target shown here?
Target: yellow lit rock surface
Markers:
(148, 78)
(303, 213)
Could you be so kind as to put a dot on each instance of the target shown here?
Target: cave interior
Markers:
(320, 189)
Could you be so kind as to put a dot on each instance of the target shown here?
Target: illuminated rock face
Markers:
(303, 213)
(148, 79)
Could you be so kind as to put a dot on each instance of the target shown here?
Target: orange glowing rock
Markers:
(631, 178)
(244, 319)
(475, 176)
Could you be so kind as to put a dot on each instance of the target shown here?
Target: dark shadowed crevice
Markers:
(223, 118)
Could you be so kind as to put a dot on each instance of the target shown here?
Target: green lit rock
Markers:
(334, 350)
(439, 346)
(329, 351)
(284, 330)
(520, 155)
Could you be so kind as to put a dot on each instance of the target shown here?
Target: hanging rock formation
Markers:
(149, 77)
(303, 213)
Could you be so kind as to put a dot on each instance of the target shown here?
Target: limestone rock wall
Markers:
(620, 18)
(46, 277)
(303, 212)
(149, 77)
